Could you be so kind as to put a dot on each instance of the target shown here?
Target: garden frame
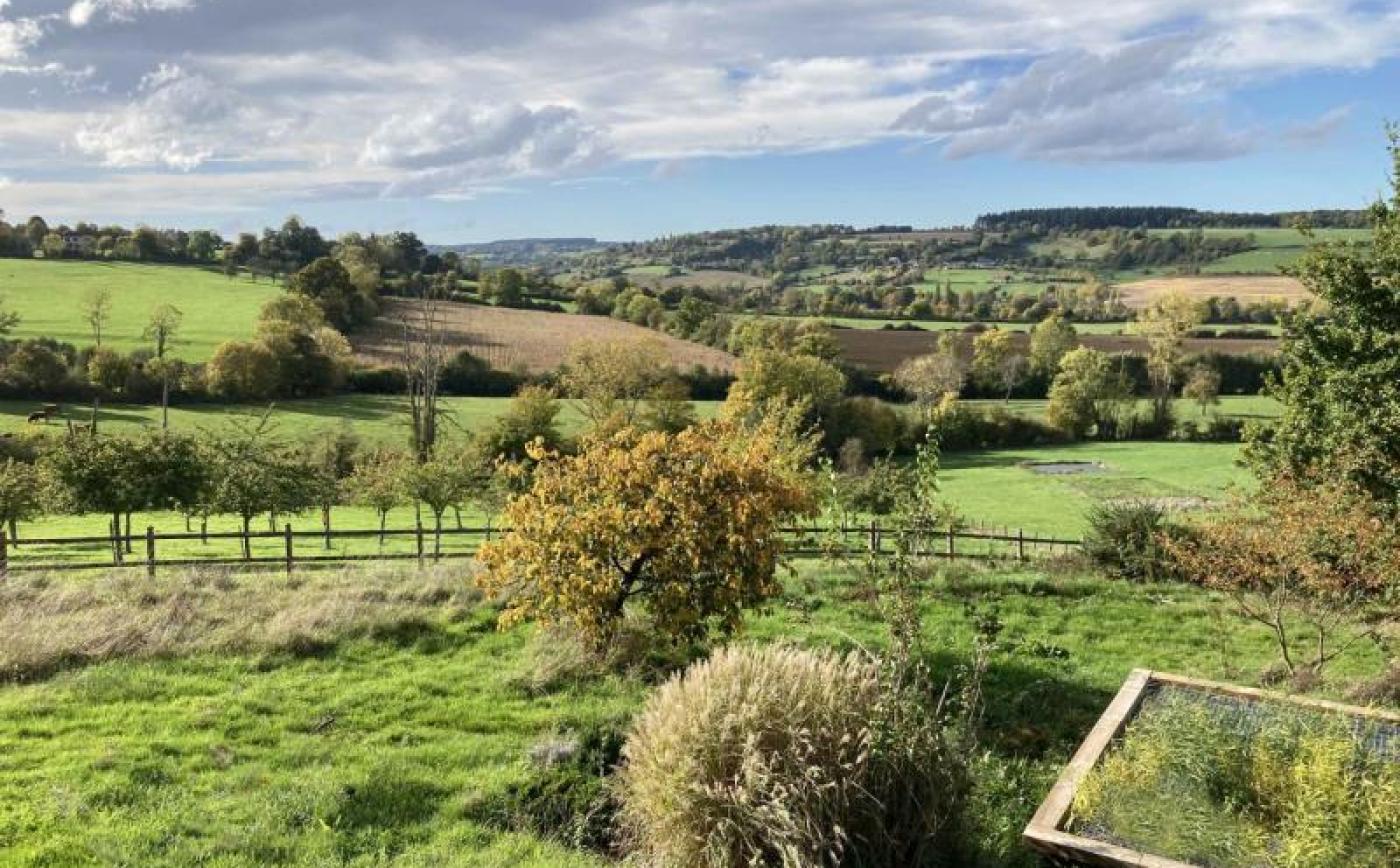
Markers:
(1046, 834)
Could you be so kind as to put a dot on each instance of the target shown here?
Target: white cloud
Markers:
(448, 97)
(179, 120)
(447, 148)
(17, 36)
(1144, 101)
(82, 13)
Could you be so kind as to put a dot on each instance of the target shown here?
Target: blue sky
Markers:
(476, 120)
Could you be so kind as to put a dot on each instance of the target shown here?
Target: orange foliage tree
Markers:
(683, 525)
(1317, 561)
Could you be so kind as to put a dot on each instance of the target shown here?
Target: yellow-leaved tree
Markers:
(684, 526)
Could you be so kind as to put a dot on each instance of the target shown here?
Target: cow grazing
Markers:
(38, 416)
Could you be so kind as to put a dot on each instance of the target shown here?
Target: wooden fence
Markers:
(136, 551)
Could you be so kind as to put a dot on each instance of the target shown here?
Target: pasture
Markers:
(1009, 281)
(375, 716)
(531, 340)
(48, 296)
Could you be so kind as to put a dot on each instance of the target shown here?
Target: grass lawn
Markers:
(396, 743)
(994, 488)
(48, 296)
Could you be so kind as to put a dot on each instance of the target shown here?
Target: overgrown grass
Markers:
(1237, 785)
(48, 296)
(399, 745)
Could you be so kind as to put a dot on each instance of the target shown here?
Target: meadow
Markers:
(48, 296)
(376, 717)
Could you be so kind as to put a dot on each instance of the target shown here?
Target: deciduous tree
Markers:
(684, 526)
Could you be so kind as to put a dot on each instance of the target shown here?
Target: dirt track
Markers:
(538, 341)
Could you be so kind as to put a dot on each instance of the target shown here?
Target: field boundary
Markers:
(813, 541)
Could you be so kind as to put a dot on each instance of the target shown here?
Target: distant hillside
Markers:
(519, 251)
(1162, 217)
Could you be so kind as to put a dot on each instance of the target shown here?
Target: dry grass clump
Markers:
(777, 756)
(51, 622)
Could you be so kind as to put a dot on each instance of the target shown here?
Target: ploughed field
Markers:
(537, 341)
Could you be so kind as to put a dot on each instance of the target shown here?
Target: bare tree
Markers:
(97, 310)
(164, 323)
(423, 355)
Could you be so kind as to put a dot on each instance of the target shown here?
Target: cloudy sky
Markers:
(469, 120)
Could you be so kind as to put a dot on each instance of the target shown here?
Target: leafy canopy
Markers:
(684, 525)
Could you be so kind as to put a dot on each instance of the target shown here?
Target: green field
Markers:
(381, 718)
(995, 488)
(873, 323)
(48, 297)
(375, 419)
(1011, 281)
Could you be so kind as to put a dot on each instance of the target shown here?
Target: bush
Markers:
(1217, 429)
(770, 756)
(1125, 540)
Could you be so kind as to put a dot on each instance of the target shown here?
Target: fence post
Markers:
(4, 555)
(150, 551)
(1020, 544)
(418, 534)
(287, 535)
(874, 543)
(952, 546)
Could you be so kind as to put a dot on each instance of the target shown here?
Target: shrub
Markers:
(1125, 540)
(779, 756)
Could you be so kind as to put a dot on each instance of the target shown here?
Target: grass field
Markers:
(382, 719)
(48, 297)
(994, 487)
(1011, 282)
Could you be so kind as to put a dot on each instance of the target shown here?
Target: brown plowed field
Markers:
(880, 350)
(535, 340)
(1244, 288)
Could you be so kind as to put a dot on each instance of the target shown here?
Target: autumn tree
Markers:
(612, 381)
(1051, 339)
(929, 378)
(1083, 391)
(996, 364)
(1202, 386)
(682, 525)
(1165, 325)
(1315, 560)
(768, 378)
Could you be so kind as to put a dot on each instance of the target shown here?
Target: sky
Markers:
(466, 120)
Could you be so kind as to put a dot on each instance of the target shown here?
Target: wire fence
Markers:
(289, 549)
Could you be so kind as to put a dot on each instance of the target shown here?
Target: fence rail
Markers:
(134, 551)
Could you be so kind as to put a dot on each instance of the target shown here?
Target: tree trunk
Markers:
(128, 533)
(437, 533)
(383, 517)
(14, 531)
(247, 544)
(165, 403)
